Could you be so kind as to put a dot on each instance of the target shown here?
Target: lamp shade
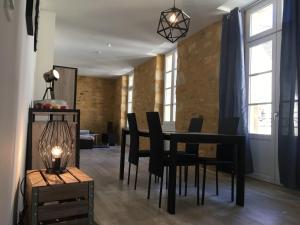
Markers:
(173, 24)
(55, 146)
(51, 75)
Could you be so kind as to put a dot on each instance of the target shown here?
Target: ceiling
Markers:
(85, 29)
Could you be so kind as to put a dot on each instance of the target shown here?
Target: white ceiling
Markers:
(84, 27)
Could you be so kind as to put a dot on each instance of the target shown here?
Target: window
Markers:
(261, 20)
(263, 29)
(130, 93)
(260, 87)
(170, 87)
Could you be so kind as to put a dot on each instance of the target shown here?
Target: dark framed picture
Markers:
(32, 19)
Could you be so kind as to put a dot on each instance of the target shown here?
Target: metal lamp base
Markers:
(56, 171)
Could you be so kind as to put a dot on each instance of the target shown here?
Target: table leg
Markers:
(122, 157)
(172, 178)
(240, 185)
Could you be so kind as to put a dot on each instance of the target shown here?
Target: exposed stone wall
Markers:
(120, 104)
(144, 91)
(159, 84)
(198, 80)
(148, 91)
(96, 101)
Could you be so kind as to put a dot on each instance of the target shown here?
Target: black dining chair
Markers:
(225, 156)
(134, 150)
(194, 126)
(158, 157)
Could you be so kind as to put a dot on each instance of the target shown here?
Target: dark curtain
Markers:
(288, 133)
(233, 91)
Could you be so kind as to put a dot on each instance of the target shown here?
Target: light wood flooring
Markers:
(116, 203)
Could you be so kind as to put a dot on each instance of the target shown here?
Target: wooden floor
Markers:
(116, 203)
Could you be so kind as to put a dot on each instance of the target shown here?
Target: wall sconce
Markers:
(55, 146)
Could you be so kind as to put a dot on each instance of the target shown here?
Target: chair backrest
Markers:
(156, 144)
(195, 126)
(134, 139)
(226, 152)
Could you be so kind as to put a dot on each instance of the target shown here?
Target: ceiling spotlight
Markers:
(99, 52)
(109, 45)
(173, 24)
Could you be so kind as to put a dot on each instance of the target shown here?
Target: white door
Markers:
(263, 39)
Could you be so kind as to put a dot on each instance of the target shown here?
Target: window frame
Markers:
(277, 17)
(172, 88)
(274, 35)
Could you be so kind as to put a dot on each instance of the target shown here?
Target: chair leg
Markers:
(128, 180)
(167, 176)
(232, 187)
(160, 191)
(196, 171)
(180, 180)
(136, 175)
(186, 171)
(156, 179)
(203, 183)
(149, 186)
(217, 181)
(198, 183)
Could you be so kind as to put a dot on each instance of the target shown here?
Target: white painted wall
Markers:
(17, 63)
(45, 54)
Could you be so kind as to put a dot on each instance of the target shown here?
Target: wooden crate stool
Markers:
(66, 199)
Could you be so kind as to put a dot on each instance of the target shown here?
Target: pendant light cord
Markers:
(174, 4)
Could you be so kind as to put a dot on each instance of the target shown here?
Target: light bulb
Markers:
(56, 74)
(56, 152)
(173, 18)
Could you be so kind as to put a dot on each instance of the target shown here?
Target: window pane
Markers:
(174, 95)
(168, 80)
(167, 113)
(261, 20)
(174, 113)
(130, 96)
(260, 88)
(175, 78)
(167, 96)
(176, 59)
(130, 81)
(260, 119)
(169, 63)
(129, 110)
(261, 58)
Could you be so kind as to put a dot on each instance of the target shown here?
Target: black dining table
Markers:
(192, 137)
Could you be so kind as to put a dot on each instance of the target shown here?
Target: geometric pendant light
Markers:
(173, 24)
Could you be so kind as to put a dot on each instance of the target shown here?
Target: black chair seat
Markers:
(159, 158)
(144, 153)
(224, 160)
(183, 159)
(212, 161)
